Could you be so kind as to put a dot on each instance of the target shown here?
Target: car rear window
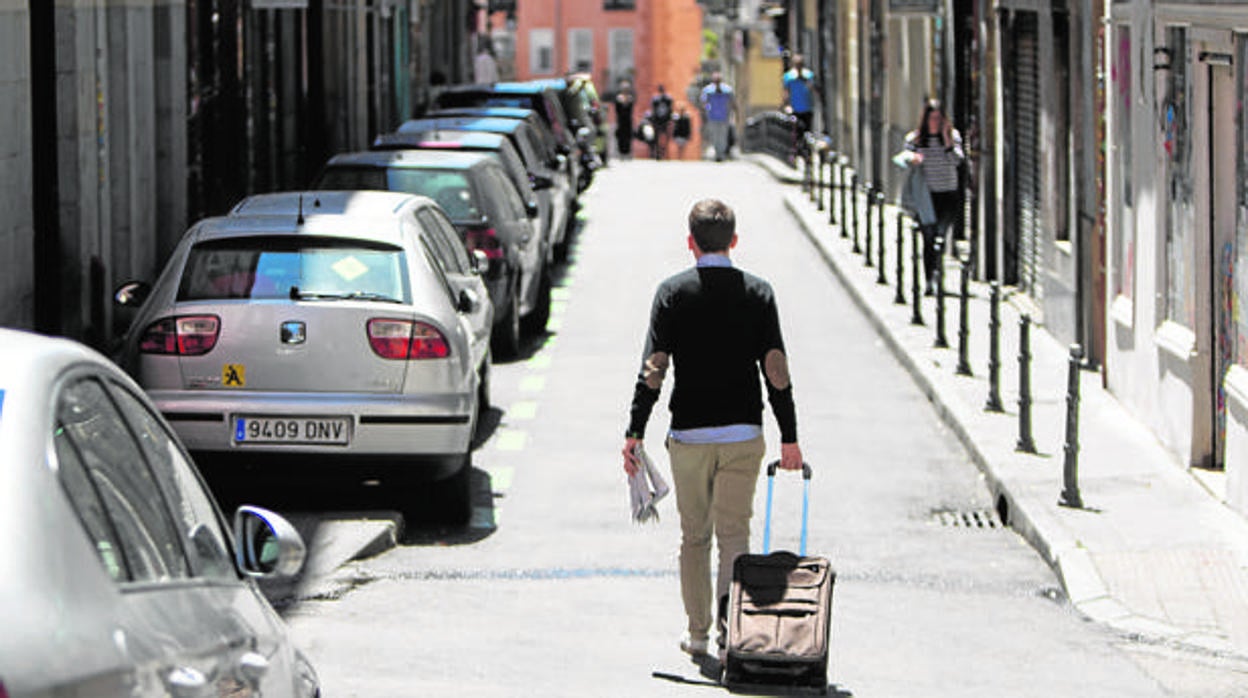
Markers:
(450, 188)
(268, 267)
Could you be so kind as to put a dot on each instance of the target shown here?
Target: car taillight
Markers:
(486, 240)
(406, 339)
(187, 335)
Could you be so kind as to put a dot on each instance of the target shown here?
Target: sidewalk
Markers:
(1153, 554)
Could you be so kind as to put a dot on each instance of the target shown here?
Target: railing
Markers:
(774, 133)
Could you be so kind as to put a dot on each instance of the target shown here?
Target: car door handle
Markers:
(253, 666)
(187, 682)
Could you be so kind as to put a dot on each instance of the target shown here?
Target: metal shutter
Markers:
(1025, 75)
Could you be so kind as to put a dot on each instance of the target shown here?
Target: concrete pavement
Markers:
(1154, 553)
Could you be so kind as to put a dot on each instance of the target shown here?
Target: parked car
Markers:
(553, 211)
(485, 207)
(527, 141)
(118, 573)
(341, 326)
(542, 99)
(579, 98)
(488, 112)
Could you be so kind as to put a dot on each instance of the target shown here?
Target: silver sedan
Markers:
(347, 326)
(118, 576)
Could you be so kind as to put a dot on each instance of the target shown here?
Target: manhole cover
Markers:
(977, 518)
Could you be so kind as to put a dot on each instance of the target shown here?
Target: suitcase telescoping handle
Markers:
(771, 487)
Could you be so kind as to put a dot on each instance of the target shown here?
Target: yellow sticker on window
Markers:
(349, 268)
(234, 376)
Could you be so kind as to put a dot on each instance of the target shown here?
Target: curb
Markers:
(1025, 512)
(332, 544)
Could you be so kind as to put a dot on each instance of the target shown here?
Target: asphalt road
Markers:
(553, 591)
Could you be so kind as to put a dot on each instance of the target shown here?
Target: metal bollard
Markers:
(994, 351)
(1026, 443)
(880, 277)
(1070, 467)
(870, 203)
(964, 321)
(916, 271)
(942, 340)
(832, 167)
(819, 178)
(899, 298)
(844, 178)
(807, 175)
(853, 199)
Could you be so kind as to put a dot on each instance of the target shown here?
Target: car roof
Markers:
(526, 88)
(503, 112)
(441, 139)
(360, 215)
(552, 83)
(413, 159)
(491, 124)
(34, 357)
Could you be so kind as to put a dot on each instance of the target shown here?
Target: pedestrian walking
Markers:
(682, 130)
(484, 67)
(799, 94)
(935, 149)
(718, 327)
(661, 119)
(624, 100)
(719, 105)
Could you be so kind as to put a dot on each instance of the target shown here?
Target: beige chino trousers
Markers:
(715, 495)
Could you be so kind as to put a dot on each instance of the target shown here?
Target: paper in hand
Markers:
(646, 487)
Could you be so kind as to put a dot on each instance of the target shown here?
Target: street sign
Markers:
(914, 6)
(279, 4)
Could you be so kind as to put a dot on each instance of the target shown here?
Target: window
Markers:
(581, 50)
(203, 537)
(1124, 195)
(619, 4)
(1181, 215)
(620, 60)
(509, 201)
(541, 51)
(1238, 295)
(107, 479)
(444, 241)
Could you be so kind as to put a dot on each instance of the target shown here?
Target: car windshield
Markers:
(297, 268)
(450, 188)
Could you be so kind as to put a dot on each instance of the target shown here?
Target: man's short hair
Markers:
(712, 224)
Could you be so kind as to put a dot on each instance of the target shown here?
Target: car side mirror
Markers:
(467, 301)
(530, 208)
(480, 262)
(540, 182)
(266, 545)
(132, 294)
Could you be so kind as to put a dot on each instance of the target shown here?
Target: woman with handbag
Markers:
(934, 151)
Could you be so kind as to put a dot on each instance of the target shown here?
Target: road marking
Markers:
(524, 410)
(554, 324)
(532, 384)
(558, 307)
(510, 440)
(562, 293)
(539, 362)
(501, 478)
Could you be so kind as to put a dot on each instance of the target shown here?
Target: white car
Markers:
(328, 326)
(118, 575)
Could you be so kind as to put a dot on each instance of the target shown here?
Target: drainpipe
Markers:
(44, 176)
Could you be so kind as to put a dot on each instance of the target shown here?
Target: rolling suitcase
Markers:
(780, 612)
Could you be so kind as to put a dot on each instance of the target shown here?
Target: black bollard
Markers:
(870, 204)
(994, 351)
(942, 340)
(844, 184)
(853, 200)
(964, 321)
(832, 167)
(1070, 467)
(818, 179)
(1026, 443)
(880, 277)
(807, 174)
(916, 273)
(899, 298)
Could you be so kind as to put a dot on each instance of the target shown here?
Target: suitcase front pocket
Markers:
(789, 629)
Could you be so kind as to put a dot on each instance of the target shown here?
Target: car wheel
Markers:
(561, 247)
(483, 389)
(506, 336)
(535, 322)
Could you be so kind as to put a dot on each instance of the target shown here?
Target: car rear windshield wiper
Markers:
(297, 295)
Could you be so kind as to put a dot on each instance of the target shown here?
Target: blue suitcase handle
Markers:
(771, 487)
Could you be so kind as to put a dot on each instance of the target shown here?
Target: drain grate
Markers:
(978, 518)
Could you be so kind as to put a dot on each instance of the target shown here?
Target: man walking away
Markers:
(661, 118)
(718, 104)
(799, 92)
(718, 327)
(624, 100)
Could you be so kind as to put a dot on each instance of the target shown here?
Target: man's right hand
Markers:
(631, 463)
(790, 457)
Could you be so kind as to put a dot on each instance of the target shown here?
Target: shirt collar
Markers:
(714, 260)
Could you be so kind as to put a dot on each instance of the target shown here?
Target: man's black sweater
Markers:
(717, 324)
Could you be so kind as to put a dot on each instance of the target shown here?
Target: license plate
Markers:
(334, 431)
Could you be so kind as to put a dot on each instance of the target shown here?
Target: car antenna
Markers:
(299, 218)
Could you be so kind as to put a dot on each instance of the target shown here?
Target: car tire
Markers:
(455, 500)
(535, 322)
(483, 388)
(562, 247)
(506, 335)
